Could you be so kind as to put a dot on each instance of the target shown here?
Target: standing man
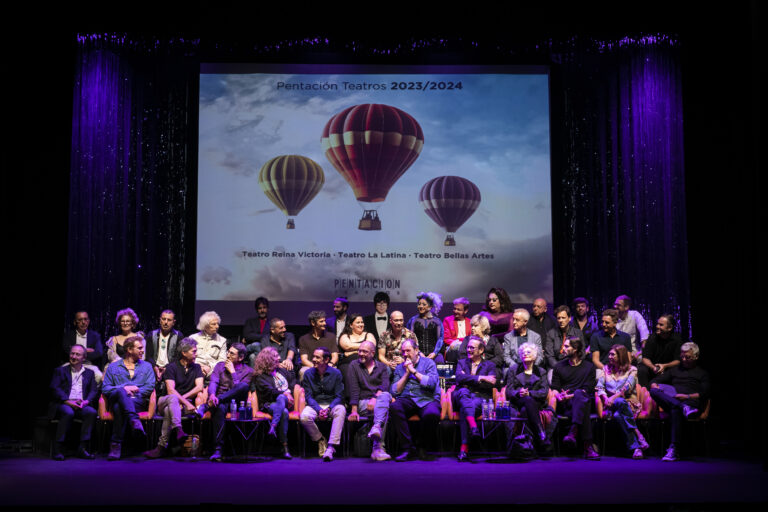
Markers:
(324, 394)
(90, 340)
(457, 326)
(378, 322)
(632, 323)
(541, 321)
(602, 341)
(661, 351)
(416, 391)
(128, 383)
(475, 380)
(338, 321)
(517, 336)
(368, 383)
(255, 328)
(74, 390)
(553, 344)
(183, 381)
(161, 344)
(282, 341)
(317, 337)
(390, 342)
(585, 319)
(685, 394)
(574, 380)
(230, 380)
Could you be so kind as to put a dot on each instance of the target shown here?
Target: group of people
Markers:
(384, 368)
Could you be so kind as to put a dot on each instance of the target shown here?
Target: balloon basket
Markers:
(449, 241)
(290, 224)
(370, 221)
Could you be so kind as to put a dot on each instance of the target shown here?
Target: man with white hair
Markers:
(682, 391)
(211, 346)
(517, 336)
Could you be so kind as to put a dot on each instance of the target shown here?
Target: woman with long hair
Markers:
(616, 387)
(274, 387)
(354, 334)
(498, 310)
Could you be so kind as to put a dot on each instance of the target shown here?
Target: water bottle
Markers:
(485, 410)
(507, 410)
(248, 410)
(233, 410)
(241, 411)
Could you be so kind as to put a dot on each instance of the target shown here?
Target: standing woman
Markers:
(274, 387)
(126, 321)
(616, 387)
(498, 311)
(354, 334)
(427, 327)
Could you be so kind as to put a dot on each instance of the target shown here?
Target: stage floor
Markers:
(32, 480)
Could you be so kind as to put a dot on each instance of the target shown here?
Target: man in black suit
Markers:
(91, 340)
(337, 322)
(74, 390)
(255, 328)
(378, 322)
(161, 343)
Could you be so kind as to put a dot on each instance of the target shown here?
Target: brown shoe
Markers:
(155, 453)
(179, 435)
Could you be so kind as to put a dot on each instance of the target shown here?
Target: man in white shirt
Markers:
(161, 344)
(632, 323)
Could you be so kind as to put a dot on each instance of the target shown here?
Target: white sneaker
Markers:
(671, 455)
(380, 455)
(322, 446)
(688, 411)
(638, 454)
(328, 455)
(375, 432)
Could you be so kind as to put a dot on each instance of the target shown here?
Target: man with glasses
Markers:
(91, 340)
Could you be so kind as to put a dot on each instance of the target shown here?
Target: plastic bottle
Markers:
(248, 410)
(233, 409)
(241, 411)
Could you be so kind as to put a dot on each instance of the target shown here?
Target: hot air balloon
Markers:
(371, 146)
(291, 182)
(449, 201)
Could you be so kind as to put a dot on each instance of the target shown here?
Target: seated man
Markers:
(230, 380)
(457, 326)
(685, 394)
(282, 341)
(211, 347)
(608, 336)
(553, 344)
(574, 381)
(317, 337)
(632, 323)
(324, 394)
(494, 350)
(416, 391)
(161, 343)
(389, 346)
(475, 380)
(74, 394)
(255, 328)
(517, 336)
(183, 381)
(584, 319)
(128, 384)
(661, 351)
(368, 384)
(90, 340)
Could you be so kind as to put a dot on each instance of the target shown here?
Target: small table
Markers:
(247, 428)
(487, 427)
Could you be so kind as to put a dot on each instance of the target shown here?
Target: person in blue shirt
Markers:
(416, 391)
(324, 394)
(128, 383)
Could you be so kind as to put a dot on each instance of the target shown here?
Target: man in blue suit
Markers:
(74, 390)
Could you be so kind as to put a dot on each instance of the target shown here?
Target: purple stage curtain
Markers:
(128, 209)
(618, 170)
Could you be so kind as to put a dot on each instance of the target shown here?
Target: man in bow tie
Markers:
(378, 322)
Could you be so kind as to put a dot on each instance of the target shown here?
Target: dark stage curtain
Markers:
(618, 173)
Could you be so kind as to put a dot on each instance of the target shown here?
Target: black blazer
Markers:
(61, 385)
(152, 345)
(93, 339)
(370, 325)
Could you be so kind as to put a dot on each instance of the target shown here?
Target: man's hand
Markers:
(523, 392)
(213, 400)
(84, 403)
(682, 396)
(287, 364)
(73, 404)
(563, 395)
(353, 416)
(487, 378)
(289, 397)
(654, 385)
(323, 414)
(131, 390)
(398, 360)
(206, 370)
(371, 404)
(229, 366)
(409, 366)
(431, 356)
(188, 406)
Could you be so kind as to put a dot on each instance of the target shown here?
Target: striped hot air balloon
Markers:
(291, 182)
(371, 146)
(449, 201)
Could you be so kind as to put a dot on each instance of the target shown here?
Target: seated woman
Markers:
(475, 379)
(274, 387)
(498, 311)
(616, 387)
(354, 334)
(527, 391)
(427, 327)
(126, 321)
(494, 351)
